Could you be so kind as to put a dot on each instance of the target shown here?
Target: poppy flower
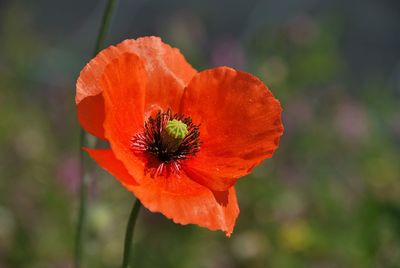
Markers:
(179, 139)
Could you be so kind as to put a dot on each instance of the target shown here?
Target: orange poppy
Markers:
(179, 139)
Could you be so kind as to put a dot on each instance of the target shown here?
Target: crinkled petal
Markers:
(240, 125)
(166, 68)
(178, 198)
(124, 82)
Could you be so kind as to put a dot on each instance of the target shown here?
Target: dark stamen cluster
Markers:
(151, 141)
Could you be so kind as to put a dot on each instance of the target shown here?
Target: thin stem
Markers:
(81, 224)
(83, 141)
(129, 234)
(105, 25)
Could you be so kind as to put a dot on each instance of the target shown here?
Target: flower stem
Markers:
(83, 141)
(129, 233)
(105, 25)
(81, 224)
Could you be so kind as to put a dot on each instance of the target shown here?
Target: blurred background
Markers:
(330, 196)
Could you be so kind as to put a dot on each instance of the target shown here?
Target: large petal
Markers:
(124, 82)
(166, 67)
(91, 115)
(178, 198)
(240, 125)
(107, 160)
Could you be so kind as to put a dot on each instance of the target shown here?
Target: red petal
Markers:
(178, 198)
(107, 160)
(240, 125)
(124, 83)
(166, 68)
(91, 115)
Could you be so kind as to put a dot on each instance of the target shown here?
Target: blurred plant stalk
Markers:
(85, 140)
(129, 234)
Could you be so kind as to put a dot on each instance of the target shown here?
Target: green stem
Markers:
(81, 224)
(129, 234)
(105, 25)
(83, 141)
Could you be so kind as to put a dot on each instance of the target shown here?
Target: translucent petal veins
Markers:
(166, 152)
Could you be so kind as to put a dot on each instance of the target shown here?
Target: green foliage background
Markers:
(330, 196)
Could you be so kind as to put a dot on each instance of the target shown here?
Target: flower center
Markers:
(168, 138)
(173, 134)
(176, 129)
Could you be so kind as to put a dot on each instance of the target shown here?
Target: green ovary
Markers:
(176, 129)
